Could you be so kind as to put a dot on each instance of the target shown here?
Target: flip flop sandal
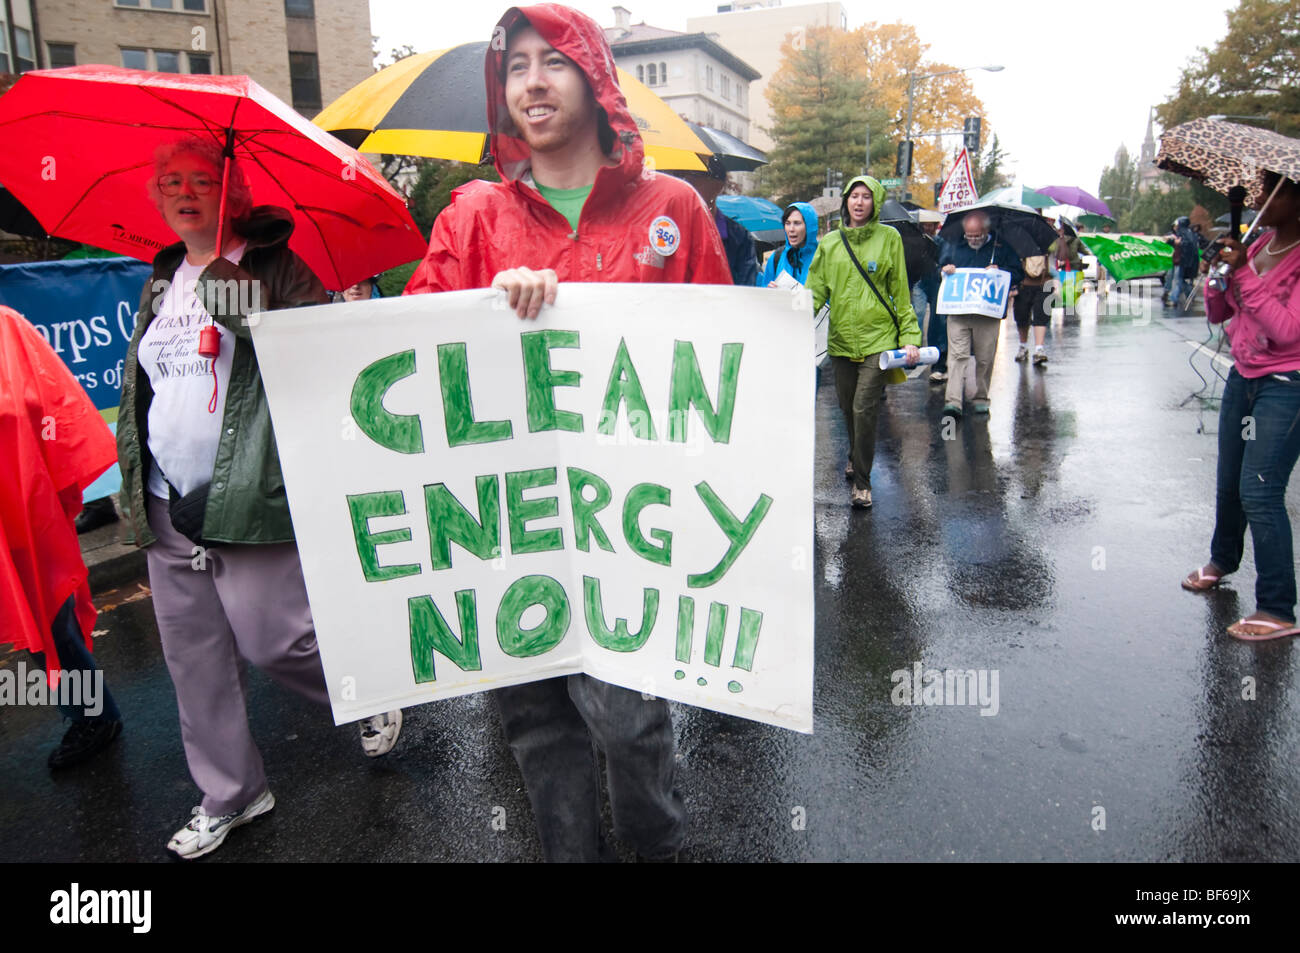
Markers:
(1203, 580)
(1272, 630)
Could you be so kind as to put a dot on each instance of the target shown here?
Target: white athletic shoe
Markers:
(379, 732)
(205, 833)
(1022, 354)
(1040, 355)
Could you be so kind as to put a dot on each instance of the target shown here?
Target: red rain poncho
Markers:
(53, 444)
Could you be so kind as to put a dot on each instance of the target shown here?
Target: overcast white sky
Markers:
(1115, 57)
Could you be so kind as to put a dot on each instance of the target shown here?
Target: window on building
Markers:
(201, 63)
(135, 59)
(185, 6)
(640, 73)
(24, 52)
(708, 78)
(726, 86)
(304, 9)
(653, 75)
(62, 54)
(663, 74)
(167, 61)
(4, 45)
(304, 79)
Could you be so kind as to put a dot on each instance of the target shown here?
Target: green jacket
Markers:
(1070, 253)
(246, 501)
(860, 325)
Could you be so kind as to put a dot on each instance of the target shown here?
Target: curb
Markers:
(111, 560)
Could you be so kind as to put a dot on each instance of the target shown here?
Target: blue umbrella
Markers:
(757, 215)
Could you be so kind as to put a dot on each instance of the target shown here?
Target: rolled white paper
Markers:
(888, 359)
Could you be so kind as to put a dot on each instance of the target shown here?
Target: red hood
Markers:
(579, 38)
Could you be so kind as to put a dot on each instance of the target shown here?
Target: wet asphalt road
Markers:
(1044, 543)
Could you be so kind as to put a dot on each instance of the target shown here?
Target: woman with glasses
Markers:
(201, 480)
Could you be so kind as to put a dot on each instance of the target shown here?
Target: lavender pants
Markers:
(216, 608)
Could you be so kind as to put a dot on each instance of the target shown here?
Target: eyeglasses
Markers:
(171, 184)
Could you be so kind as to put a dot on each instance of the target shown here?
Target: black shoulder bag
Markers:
(898, 333)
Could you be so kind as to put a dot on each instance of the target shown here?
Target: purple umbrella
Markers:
(1070, 195)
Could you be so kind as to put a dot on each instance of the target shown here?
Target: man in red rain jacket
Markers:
(575, 204)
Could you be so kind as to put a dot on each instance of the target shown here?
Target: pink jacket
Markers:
(1265, 328)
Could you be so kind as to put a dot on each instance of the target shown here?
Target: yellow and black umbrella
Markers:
(434, 105)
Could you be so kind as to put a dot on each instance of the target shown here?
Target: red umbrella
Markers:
(78, 152)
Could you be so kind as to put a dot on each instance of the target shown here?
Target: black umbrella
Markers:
(1018, 226)
(735, 155)
(892, 210)
(16, 219)
(1247, 216)
(919, 252)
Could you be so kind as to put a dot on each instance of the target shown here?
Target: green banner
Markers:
(1130, 256)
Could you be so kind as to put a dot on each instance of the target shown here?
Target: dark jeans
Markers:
(1252, 479)
(937, 333)
(553, 727)
(71, 650)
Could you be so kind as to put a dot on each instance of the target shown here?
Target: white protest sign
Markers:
(975, 291)
(959, 188)
(622, 487)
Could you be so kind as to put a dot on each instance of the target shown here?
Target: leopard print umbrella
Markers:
(1224, 154)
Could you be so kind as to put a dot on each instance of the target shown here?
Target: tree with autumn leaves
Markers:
(833, 86)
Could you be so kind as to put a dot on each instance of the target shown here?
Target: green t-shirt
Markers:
(568, 202)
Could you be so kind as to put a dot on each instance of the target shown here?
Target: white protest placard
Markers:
(622, 487)
(959, 188)
(975, 291)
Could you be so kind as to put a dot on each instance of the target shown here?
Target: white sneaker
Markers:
(1040, 355)
(204, 833)
(379, 732)
(1022, 354)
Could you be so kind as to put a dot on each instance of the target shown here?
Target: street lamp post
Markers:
(912, 80)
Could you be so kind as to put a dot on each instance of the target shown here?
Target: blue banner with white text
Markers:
(85, 310)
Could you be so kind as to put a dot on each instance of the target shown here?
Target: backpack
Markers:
(1035, 267)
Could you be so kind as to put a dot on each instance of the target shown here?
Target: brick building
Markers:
(307, 52)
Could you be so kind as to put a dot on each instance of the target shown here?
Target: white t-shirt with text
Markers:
(183, 433)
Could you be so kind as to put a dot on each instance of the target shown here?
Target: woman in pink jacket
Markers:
(1259, 422)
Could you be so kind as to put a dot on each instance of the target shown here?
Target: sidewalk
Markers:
(111, 560)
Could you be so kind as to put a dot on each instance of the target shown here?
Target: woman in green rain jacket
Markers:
(862, 325)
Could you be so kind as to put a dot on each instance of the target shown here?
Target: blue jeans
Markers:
(1180, 286)
(1252, 479)
(937, 334)
(71, 650)
(554, 726)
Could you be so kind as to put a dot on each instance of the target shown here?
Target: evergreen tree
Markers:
(818, 116)
(987, 168)
(1119, 183)
(438, 177)
(1254, 70)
